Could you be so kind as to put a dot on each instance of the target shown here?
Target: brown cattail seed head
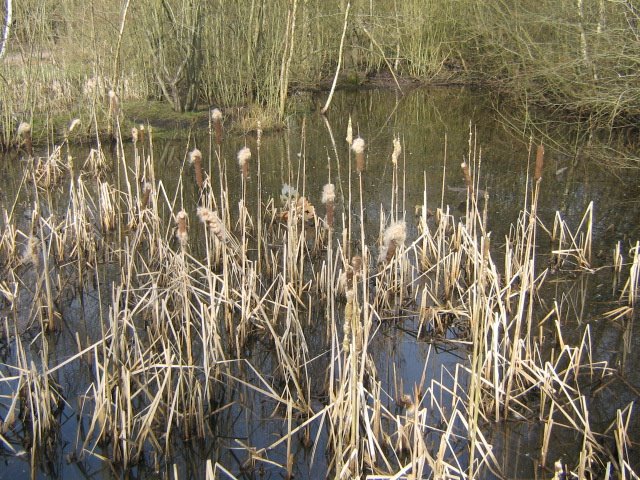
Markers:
(328, 193)
(539, 163)
(394, 236)
(243, 160)
(467, 176)
(358, 147)
(195, 157)
(328, 197)
(182, 234)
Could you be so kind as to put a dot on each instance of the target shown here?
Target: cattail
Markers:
(328, 198)
(134, 135)
(397, 150)
(243, 160)
(393, 237)
(182, 233)
(358, 147)
(467, 176)
(349, 132)
(539, 163)
(146, 192)
(216, 118)
(195, 157)
(24, 131)
(211, 219)
(114, 103)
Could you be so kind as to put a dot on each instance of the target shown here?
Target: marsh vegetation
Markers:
(302, 305)
(420, 284)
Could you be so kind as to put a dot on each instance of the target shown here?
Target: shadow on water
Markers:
(438, 128)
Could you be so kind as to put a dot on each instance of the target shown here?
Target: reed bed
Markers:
(199, 311)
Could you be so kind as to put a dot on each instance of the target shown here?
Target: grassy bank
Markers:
(579, 57)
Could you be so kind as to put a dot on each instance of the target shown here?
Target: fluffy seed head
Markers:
(24, 128)
(134, 135)
(195, 155)
(358, 145)
(216, 115)
(244, 155)
(182, 234)
(396, 233)
(328, 193)
(349, 132)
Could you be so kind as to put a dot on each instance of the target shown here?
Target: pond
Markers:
(407, 320)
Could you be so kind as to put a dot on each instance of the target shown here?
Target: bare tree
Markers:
(7, 28)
